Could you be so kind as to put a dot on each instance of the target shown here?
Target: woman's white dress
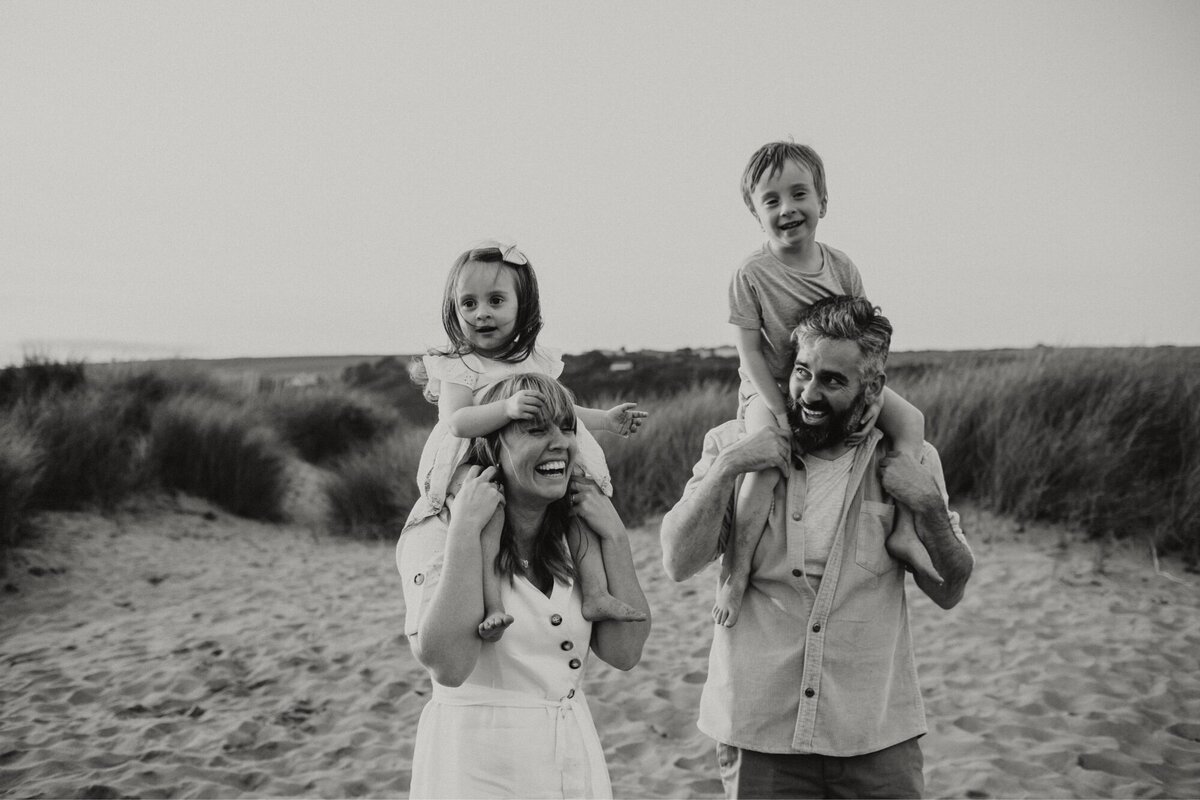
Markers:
(520, 725)
(444, 452)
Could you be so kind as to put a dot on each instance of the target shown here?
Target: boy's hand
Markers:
(523, 404)
(623, 420)
(766, 448)
(870, 414)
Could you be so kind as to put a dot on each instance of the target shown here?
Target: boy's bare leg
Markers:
(753, 505)
(598, 604)
(904, 544)
(495, 620)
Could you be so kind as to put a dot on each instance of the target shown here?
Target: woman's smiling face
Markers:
(536, 459)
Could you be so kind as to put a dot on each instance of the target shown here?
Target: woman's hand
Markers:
(593, 507)
(523, 404)
(623, 420)
(477, 500)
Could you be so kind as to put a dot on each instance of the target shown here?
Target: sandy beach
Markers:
(175, 651)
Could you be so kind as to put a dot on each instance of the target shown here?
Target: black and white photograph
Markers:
(533, 399)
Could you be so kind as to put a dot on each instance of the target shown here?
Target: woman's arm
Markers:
(903, 423)
(466, 420)
(617, 643)
(749, 347)
(447, 642)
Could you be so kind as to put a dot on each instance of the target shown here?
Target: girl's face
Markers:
(536, 461)
(486, 300)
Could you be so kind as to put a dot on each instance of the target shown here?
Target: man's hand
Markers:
(911, 484)
(764, 449)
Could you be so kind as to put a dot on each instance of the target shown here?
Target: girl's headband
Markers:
(509, 253)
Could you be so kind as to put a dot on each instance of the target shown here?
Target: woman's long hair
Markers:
(550, 559)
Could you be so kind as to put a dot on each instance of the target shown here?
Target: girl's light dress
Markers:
(519, 726)
(444, 451)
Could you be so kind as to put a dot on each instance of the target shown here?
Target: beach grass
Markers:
(1103, 440)
(222, 452)
(323, 423)
(371, 491)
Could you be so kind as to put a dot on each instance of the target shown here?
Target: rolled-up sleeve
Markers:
(420, 554)
(716, 440)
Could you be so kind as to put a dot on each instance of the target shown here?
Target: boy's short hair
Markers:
(770, 158)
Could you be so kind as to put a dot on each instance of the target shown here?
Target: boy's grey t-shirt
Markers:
(767, 295)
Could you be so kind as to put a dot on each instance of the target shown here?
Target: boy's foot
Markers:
(729, 603)
(494, 625)
(605, 606)
(904, 545)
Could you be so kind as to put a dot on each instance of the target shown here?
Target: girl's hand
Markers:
(870, 414)
(523, 404)
(590, 504)
(477, 500)
(623, 420)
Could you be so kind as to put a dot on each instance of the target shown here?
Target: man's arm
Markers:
(691, 530)
(919, 486)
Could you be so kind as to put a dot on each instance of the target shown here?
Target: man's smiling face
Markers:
(826, 393)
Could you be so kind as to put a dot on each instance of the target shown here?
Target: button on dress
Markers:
(519, 726)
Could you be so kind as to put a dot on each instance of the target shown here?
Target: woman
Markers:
(508, 718)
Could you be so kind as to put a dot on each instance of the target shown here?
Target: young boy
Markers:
(784, 187)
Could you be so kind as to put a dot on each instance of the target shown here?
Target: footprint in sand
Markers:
(1185, 730)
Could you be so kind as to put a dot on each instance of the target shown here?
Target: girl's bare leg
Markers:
(598, 604)
(495, 620)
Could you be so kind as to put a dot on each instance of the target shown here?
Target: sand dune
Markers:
(176, 651)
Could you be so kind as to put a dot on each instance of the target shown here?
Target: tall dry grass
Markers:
(1106, 441)
(649, 469)
(324, 423)
(21, 465)
(222, 452)
(92, 454)
(372, 490)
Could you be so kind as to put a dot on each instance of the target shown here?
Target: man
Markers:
(814, 692)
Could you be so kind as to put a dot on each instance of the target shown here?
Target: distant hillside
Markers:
(594, 376)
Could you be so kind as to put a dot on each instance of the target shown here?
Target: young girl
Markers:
(492, 316)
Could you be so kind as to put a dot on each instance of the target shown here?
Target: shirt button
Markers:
(418, 579)
(567, 645)
(570, 694)
(796, 515)
(796, 572)
(817, 628)
(574, 663)
(809, 692)
(556, 619)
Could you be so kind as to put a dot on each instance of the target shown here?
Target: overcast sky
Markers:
(211, 179)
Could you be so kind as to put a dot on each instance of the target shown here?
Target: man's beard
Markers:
(833, 431)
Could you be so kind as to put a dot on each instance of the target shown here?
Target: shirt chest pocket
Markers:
(874, 525)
